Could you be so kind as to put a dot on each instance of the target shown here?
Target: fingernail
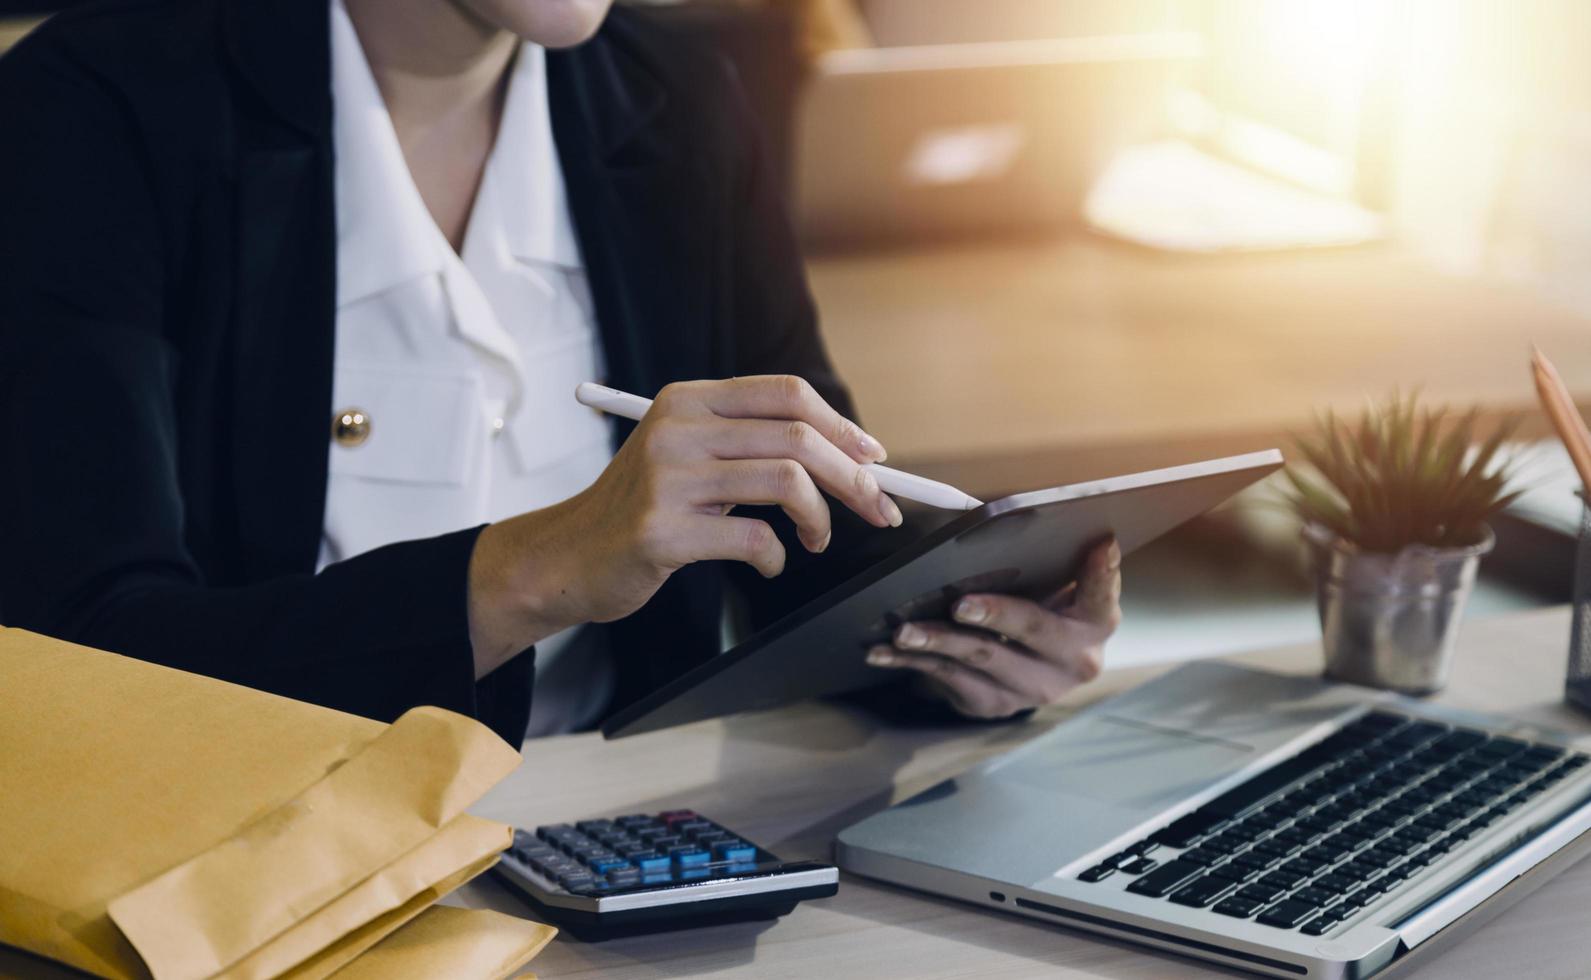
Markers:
(824, 544)
(890, 511)
(879, 658)
(871, 448)
(910, 636)
(971, 611)
(1115, 553)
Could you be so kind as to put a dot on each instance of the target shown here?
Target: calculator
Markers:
(599, 879)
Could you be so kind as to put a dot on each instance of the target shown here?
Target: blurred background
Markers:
(1054, 240)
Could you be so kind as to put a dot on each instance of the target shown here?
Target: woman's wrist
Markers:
(520, 591)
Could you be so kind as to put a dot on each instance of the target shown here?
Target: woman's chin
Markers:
(549, 23)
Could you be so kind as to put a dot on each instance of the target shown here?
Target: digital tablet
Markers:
(1026, 544)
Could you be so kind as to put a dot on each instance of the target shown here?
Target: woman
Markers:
(294, 296)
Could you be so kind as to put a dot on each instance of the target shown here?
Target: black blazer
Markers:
(167, 301)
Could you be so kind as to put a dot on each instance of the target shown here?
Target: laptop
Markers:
(945, 140)
(1273, 823)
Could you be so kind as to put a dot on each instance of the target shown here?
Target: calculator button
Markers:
(624, 877)
(735, 850)
(605, 865)
(689, 856)
(534, 849)
(552, 868)
(653, 863)
(557, 833)
(576, 879)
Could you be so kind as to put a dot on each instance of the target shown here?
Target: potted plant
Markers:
(1395, 510)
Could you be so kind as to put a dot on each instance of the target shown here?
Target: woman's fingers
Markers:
(1075, 644)
(1098, 596)
(1038, 681)
(779, 396)
(781, 482)
(1009, 653)
(703, 537)
(831, 469)
(969, 691)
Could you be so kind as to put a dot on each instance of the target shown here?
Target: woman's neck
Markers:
(430, 57)
(442, 74)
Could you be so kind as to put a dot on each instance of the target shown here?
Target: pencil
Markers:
(1560, 408)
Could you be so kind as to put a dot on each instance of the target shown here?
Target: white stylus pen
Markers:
(895, 482)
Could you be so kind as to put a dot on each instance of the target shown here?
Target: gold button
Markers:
(350, 427)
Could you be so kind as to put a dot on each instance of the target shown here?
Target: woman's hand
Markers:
(664, 502)
(1006, 654)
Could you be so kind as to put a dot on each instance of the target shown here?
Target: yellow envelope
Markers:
(455, 943)
(156, 822)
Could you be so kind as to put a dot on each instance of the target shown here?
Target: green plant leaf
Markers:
(1402, 474)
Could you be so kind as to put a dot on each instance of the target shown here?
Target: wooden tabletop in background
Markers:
(1019, 364)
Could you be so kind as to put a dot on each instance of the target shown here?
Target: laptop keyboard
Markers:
(1310, 841)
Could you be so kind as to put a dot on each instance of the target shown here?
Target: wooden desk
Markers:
(792, 778)
(1018, 364)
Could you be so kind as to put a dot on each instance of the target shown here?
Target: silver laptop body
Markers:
(1173, 756)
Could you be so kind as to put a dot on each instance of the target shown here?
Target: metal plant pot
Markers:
(1389, 620)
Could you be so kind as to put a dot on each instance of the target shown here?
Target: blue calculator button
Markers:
(735, 850)
(654, 864)
(692, 858)
(603, 865)
(688, 874)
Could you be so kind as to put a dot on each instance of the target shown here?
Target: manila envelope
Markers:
(447, 942)
(156, 822)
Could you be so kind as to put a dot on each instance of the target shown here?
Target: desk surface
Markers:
(791, 778)
(1009, 365)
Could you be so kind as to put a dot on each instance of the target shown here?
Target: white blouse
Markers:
(463, 364)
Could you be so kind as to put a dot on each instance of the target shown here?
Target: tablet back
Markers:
(1027, 544)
